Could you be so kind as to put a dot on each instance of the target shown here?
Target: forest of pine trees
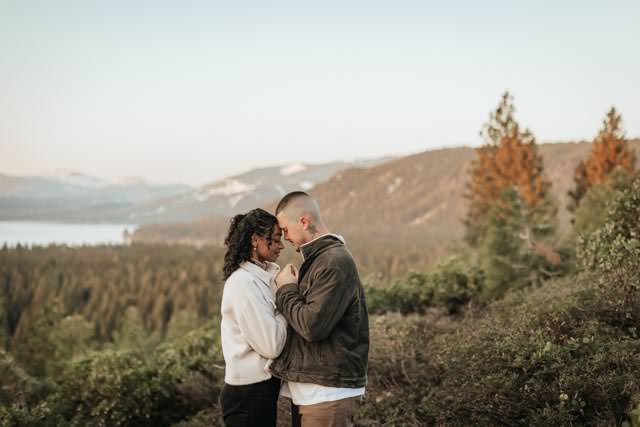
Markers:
(102, 294)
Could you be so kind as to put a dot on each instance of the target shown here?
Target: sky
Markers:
(193, 91)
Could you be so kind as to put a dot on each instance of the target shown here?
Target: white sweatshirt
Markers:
(252, 330)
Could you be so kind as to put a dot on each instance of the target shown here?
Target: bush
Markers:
(18, 415)
(451, 285)
(401, 366)
(612, 253)
(455, 285)
(551, 361)
(16, 386)
(124, 387)
(548, 357)
(410, 294)
(113, 388)
(590, 214)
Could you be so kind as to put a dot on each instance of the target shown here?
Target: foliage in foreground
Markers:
(120, 387)
(565, 353)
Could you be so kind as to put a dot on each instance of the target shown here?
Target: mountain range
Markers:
(73, 196)
(417, 199)
(79, 198)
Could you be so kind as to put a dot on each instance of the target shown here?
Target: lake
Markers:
(44, 233)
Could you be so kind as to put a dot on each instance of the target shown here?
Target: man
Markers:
(324, 363)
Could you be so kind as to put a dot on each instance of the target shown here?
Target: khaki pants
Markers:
(338, 413)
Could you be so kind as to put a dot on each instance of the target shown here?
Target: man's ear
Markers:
(305, 222)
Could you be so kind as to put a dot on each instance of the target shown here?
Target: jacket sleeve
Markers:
(261, 327)
(314, 315)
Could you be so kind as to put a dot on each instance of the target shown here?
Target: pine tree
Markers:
(609, 151)
(132, 333)
(581, 182)
(509, 158)
(501, 250)
(4, 324)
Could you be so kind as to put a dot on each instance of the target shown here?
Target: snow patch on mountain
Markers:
(293, 168)
(229, 187)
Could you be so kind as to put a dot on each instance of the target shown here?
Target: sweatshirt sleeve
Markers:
(315, 315)
(261, 326)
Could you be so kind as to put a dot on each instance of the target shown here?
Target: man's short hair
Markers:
(290, 197)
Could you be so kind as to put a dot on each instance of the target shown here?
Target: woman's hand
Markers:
(288, 274)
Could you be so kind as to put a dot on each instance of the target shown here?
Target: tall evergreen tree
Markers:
(508, 158)
(501, 252)
(609, 150)
(4, 324)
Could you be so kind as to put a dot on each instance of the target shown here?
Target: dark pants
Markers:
(251, 404)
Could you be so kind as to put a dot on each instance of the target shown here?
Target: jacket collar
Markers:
(264, 275)
(314, 247)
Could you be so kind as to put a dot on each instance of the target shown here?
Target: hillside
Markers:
(424, 193)
(398, 216)
(239, 193)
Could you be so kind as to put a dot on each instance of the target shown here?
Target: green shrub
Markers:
(113, 388)
(451, 285)
(612, 253)
(454, 284)
(401, 366)
(18, 415)
(547, 357)
(123, 387)
(590, 214)
(195, 366)
(17, 386)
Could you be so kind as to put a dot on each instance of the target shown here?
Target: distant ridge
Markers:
(419, 197)
(74, 197)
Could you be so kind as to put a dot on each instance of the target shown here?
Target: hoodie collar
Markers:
(264, 275)
(318, 243)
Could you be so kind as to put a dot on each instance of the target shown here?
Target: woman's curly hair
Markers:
(238, 240)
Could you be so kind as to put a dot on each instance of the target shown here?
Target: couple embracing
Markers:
(302, 334)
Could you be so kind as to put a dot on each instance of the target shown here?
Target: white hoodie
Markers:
(252, 330)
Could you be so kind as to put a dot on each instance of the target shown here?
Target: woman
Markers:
(253, 332)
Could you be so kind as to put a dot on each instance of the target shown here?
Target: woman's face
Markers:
(269, 251)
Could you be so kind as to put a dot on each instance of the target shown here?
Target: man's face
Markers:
(292, 230)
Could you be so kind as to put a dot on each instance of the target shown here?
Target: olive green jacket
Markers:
(328, 336)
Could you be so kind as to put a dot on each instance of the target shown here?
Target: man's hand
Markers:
(288, 274)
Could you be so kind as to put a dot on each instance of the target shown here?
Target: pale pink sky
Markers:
(197, 90)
